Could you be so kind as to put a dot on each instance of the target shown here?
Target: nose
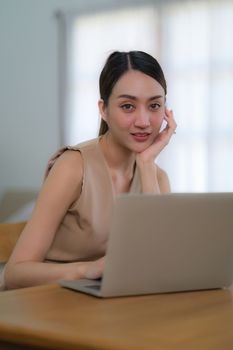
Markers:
(142, 119)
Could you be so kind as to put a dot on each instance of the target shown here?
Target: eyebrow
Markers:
(135, 98)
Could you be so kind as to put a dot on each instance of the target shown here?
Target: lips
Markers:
(140, 136)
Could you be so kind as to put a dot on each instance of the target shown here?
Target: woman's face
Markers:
(135, 110)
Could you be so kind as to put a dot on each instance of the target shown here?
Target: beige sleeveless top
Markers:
(84, 231)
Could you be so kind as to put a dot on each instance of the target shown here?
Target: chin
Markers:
(139, 148)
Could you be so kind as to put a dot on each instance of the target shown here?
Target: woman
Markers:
(67, 234)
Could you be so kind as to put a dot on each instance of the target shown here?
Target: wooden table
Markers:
(52, 317)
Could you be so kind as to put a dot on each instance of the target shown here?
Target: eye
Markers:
(128, 107)
(155, 106)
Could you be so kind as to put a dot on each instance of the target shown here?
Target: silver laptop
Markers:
(166, 243)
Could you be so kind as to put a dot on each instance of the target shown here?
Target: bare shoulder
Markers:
(70, 158)
(65, 177)
(163, 180)
(70, 164)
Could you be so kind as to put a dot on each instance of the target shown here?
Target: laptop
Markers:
(166, 243)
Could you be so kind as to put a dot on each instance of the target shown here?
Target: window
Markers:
(196, 54)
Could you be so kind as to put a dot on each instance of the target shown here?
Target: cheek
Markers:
(125, 123)
(122, 121)
(157, 119)
(116, 119)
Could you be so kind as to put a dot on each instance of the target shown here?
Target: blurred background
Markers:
(51, 55)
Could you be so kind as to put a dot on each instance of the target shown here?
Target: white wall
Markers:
(29, 121)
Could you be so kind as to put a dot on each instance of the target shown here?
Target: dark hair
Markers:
(119, 63)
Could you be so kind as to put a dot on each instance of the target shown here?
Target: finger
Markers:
(168, 112)
(170, 119)
(168, 116)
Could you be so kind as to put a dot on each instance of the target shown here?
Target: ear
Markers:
(102, 109)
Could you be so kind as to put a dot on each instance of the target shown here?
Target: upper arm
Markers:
(61, 188)
(163, 181)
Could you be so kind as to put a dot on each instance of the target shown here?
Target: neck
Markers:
(118, 158)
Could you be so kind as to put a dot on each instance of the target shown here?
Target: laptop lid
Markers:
(167, 243)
